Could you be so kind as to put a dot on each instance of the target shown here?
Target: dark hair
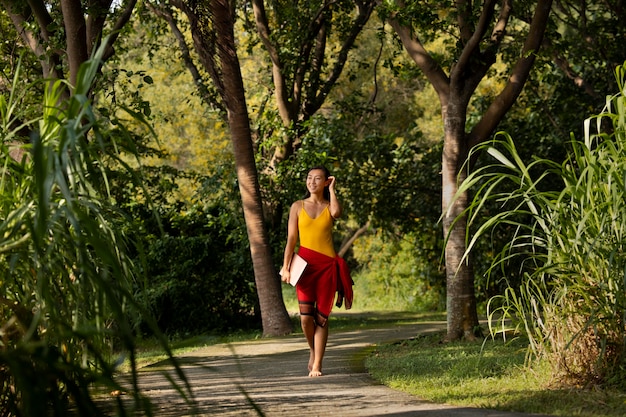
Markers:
(326, 173)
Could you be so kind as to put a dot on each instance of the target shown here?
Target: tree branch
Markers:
(285, 110)
(122, 20)
(569, 72)
(204, 44)
(33, 41)
(348, 244)
(364, 12)
(504, 101)
(464, 16)
(318, 60)
(166, 14)
(419, 55)
(465, 64)
(499, 29)
(42, 16)
(316, 35)
(97, 12)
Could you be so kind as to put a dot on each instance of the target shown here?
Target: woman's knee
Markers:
(307, 320)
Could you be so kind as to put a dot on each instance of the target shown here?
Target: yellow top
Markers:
(316, 234)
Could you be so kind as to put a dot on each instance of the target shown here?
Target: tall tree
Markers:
(212, 29)
(299, 38)
(480, 32)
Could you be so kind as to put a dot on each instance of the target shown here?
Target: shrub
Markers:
(202, 280)
(393, 277)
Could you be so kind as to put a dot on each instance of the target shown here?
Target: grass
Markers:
(492, 375)
(150, 351)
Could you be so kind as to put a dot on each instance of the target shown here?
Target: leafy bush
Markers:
(572, 300)
(202, 279)
(195, 255)
(393, 277)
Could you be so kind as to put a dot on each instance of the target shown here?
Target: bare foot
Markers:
(311, 360)
(315, 373)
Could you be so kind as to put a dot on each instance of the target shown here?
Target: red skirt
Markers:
(323, 277)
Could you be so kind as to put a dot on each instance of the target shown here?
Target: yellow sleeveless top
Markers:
(316, 234)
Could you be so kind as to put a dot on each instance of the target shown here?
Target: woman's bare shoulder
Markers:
(296, 205)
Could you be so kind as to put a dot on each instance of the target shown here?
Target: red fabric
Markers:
(322, 278)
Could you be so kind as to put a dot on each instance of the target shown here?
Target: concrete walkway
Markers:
(269, 377)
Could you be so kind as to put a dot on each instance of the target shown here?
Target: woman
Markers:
(311, 220)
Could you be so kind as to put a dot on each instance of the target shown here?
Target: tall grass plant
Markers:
(572, 301)
(66, 297)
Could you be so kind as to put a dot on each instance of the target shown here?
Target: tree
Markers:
(299, 38)
(212, 30)
(308, 45)
(64, 35)
(480, 34)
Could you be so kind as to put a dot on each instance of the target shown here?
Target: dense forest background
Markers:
(125, 170)
(379, 131)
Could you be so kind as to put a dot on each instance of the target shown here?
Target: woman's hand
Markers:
(332, 180)
(286, 276)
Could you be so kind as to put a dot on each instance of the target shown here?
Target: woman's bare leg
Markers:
(309, 329)
(319, 348)
(316, 336)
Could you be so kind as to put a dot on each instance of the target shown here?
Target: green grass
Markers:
(150, 350)
(493, 376)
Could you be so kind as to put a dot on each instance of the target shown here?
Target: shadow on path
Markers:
(270, 376)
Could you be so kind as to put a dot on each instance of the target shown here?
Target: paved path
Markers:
(271, 374)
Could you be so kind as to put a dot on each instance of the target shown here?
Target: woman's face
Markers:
(316, 181)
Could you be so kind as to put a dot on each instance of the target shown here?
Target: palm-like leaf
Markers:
(572, 305)
(67, 279)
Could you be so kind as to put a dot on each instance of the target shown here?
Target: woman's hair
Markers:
(326, 174)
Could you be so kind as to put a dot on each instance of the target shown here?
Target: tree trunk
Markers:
(75, 35)
(462, 318)
(273, 313)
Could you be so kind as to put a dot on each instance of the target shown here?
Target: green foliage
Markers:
(393, 275)
(584, 41)
(67, 280)
(195, 256)
(373, 171)
(572, 299)
(200, 274)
